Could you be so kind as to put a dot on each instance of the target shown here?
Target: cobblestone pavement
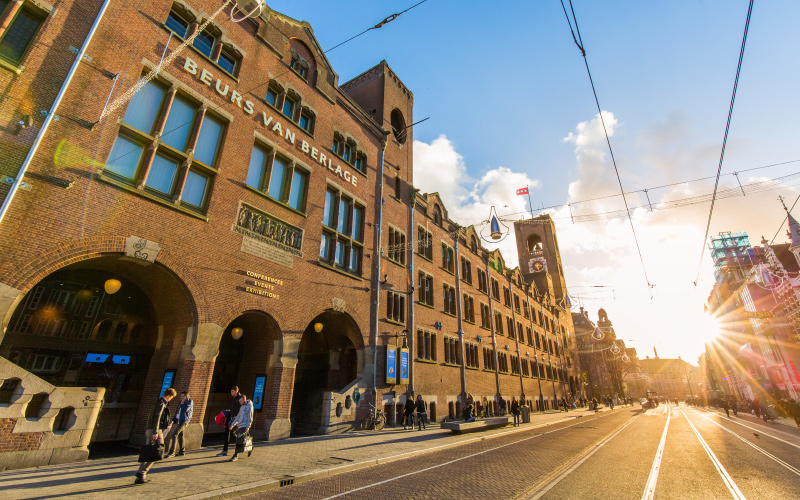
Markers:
(502, 468)
(200, 474)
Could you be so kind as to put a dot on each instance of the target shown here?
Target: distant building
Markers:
(670, 378)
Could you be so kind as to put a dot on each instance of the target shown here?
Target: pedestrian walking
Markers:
(234, 411)
(158, 423)
(179, 423)
(503, 407)
(408, 413)
(241, 424)
(487, 408)
(726, 407)
(421, 411)
(469, 410)
(515, 410)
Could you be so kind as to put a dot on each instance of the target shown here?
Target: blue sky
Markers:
(506, 87)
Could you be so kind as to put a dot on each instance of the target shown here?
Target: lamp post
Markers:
(535, 356)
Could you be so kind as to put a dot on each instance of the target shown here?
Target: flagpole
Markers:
(530, 205)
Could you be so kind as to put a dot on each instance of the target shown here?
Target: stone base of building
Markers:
(274, 428)
(36, 458)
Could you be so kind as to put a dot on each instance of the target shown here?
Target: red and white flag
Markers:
(521, 191)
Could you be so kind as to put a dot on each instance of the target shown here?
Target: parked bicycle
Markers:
(375, 420)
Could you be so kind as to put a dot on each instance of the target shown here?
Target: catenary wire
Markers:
(725, 137)
(580, 44)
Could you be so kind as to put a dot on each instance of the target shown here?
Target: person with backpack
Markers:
(179, 423)
(421, 410)
(408, 413)
(241, 424)
(515, 410)
(233, 412)
(158, 423)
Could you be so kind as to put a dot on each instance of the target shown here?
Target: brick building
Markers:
(224, 226)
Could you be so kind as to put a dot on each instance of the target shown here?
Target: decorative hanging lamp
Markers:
(112, 286)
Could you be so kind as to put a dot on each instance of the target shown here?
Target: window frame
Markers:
(427, 253)
(397, 250)
(348, 238)
(272, 157)
(426, 288)
(34, 11)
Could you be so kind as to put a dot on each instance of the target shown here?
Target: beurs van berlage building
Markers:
(219, 229)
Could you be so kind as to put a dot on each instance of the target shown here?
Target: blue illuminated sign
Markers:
(258, 392)
(169, 376)
(391, 365)
(96, 358)
(403, 366)
(121, 360)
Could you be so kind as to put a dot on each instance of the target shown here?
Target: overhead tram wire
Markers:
(579, 42)
(325, 52)
(653, 188)
(725, 138)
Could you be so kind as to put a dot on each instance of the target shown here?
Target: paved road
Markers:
(669, 452)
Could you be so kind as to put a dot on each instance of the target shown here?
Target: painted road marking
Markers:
(758, 429)
(460, 459)
(652, 479)
(577, 464)
(765, 452)
(726, 478)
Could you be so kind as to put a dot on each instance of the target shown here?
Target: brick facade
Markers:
(79, 217)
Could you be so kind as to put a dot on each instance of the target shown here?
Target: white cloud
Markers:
(604, 252)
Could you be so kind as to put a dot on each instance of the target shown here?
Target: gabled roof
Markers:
(320, 52)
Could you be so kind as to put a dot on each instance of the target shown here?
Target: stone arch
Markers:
(27, 275)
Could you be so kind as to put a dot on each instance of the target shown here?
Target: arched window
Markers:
(398, 125)
(473, 244)
(437, 215)
(534, 243)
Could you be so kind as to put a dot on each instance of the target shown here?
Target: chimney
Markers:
(656, 352)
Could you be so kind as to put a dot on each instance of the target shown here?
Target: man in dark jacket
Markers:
(158, 424)
(179, 423)
(229, 433)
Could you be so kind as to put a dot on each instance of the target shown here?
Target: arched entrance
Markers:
(75, 328)
(327, 361)
(239, 363)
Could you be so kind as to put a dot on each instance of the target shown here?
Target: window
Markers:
(397, 246)
(525, 371)
(307, 119)
(488, 359)
(169, 172)
(529, 336)
(495, 290)
(450, 351)
(347, 149)
(502, 361)
(277, 177)
(361, 162)
(395, 307)
(178, 22)
(471, 355)
(519, 332)
(426, 345)
(397, 187)
(449, 299)
(473, 245)
(289, 106)
(273, 93)
(538, 341)
(514, 365)
(299, 65)
(506, 297)
(342, 242)
(437, 215)
(425, 243)
(19, 34)
(466, 270)
(486, 320)
(398, 125)
(498, 323)
(525, 311)
(516, 303)
(447, 258)
(469, 309)
(204, 43)
(228, 61)
(510, 325)
(482, 285)
(425, 288)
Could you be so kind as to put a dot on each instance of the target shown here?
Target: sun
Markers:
(708, 328)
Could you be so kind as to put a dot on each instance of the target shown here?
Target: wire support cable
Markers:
(725, 138)
(579, 42)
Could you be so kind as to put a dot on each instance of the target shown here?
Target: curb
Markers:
(270, 484)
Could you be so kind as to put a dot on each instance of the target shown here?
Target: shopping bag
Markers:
(244, 444)
(152, 452)
(222, 417)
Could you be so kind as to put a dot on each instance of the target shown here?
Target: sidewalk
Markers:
(200, 474)
(784, 421)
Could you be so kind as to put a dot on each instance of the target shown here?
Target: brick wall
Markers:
(25, 441)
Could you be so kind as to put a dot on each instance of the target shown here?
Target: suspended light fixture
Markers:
(237, 333)
(597, 334)
(497, 230)
(84, 295)
(615, 349)
(112, 286)
(317, 327)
